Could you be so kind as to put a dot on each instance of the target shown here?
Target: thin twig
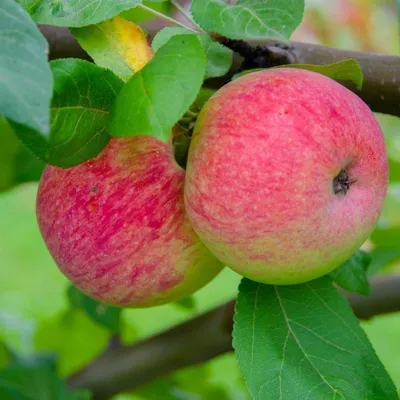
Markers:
(185, 14)
(165, 17)
(191, 114)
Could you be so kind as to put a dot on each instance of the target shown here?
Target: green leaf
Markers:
(74, 336)
(28, 168)
(386, 237)
(165, 34)
(35, 379)
(202, 98)
(346, 70)
(249, 19)
(189, 383)
(157, 96)
(25, 77)
(75, 13)
(382, 259)
(390, 216)
(188, 303)
(107, 316)
(398, 14)
(303, 342)
(9, 145)
(82, 99)
(219, 57)
(352, 275)
(394, 169)
(140, 15)
(4, 355)
(17, 164)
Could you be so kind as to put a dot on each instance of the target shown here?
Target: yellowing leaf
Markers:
(116, 44)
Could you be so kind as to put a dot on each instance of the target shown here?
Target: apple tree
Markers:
(207, 186)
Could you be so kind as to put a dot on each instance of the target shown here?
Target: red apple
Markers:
(286, 175)
(116, 226)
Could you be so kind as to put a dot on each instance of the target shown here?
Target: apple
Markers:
(116, 226)
(286, 175)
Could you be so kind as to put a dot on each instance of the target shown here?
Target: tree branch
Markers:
(61, 43)
(128, 367)
(196, 341)
(384, 298)
(381, 89)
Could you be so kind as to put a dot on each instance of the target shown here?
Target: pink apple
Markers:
(116, 226)
(286, 175)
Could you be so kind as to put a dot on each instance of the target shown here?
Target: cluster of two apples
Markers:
(286, 175)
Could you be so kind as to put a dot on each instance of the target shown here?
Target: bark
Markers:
(381, 88)
(195, 341)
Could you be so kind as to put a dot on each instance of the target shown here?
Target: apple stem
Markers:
(192, 113)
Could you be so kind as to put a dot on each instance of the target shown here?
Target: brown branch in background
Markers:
(61, 43)
(384, 298)
(198, 340)
(128, 367)
(381, 89)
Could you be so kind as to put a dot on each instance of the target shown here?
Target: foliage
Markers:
(279, 328)
(249, 19)
(352, 274)
(219, 58)
(345, 70)
(106, 316)
(116, 44)
(25, 82)
(82, 99)
(75, 13)
(17, 164)
(29, 379)
(157, 96)
(64, 113)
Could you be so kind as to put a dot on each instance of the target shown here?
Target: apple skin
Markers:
(265, 152)
(116, 226)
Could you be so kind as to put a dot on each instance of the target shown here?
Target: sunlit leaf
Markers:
(219, 57)
(116, 44)
(157, 96)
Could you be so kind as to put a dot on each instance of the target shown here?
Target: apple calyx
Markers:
(342, 183)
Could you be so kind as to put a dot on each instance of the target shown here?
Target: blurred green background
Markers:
(35, 314)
